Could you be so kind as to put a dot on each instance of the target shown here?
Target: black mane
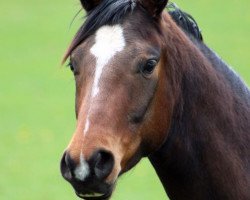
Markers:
(185, 21)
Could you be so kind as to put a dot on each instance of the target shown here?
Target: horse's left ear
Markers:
(88, 5)
(154, 7)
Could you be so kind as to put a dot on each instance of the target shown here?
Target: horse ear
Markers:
(154, 7)
(88, 5)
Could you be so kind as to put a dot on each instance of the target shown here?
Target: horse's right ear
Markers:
(88, 5)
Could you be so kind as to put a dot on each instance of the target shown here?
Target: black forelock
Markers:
(108, 12)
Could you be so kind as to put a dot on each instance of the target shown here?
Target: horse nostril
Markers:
(102, 163)
(99, 166)
(67, 166)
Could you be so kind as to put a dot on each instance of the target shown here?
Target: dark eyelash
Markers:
(72, 68)
(70, 65)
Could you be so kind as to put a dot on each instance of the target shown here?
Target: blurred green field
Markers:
(37, 95)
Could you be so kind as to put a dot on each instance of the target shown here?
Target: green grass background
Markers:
(37, 95)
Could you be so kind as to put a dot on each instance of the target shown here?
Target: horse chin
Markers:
(96, 195)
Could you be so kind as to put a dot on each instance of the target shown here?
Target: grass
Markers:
(37, 95)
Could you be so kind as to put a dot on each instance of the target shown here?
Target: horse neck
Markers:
(205, 155)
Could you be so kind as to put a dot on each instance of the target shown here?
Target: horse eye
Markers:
(70, 65)
(148, 68)
(72, 68)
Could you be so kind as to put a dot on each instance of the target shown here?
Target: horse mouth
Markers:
(95, 196)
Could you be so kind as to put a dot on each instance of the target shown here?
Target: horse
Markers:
(148, 86)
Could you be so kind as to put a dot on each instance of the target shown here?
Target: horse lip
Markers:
(95, 196)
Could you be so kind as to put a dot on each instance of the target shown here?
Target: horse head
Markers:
(117, 58)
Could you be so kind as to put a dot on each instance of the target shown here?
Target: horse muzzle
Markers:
(88, 177)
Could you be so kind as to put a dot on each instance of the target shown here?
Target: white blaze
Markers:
(109, 40)
(86, 129)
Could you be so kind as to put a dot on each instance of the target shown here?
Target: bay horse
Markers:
(148, 86)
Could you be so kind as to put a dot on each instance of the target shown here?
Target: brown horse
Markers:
(147, 88)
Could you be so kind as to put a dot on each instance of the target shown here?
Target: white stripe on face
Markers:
(86, 129)
(109, 40)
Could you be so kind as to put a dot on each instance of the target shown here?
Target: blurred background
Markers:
(37, 94)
